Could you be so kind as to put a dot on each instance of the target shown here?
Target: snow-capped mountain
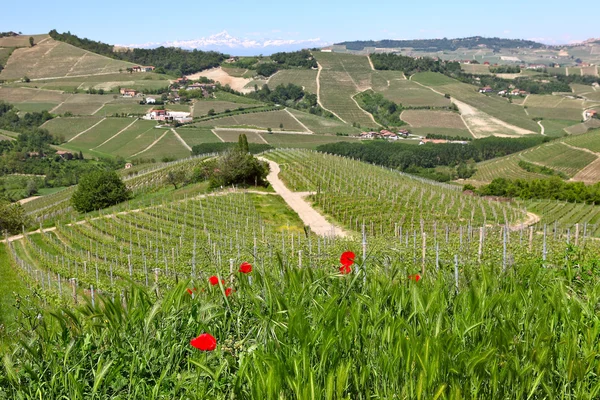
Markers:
(226, 43)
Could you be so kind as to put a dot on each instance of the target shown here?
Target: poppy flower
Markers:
(345, 269)
(190, 292)
(215, 280)
(204, 342)
(347, 258)
(415, 277)
(245, 268)
(228, 291)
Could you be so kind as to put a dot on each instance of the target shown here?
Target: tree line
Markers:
(171, 60)
(410, 65)
(385, 111)
(444, 44)
(552, 188)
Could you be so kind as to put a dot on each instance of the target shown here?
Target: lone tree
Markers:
(243, 143)
(12, 217)
(30, 41)
(175, 178)
(98, 190)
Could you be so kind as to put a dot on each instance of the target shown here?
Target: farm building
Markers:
(128, 92)
(590, 113)
(164, 115)
(128, 165)
(66, 155)
(486, 89)
(150, 100)
(141, 68)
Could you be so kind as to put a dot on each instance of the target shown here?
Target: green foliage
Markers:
(541, 169)
(176, 177)
(549, 86)
(220, 147)
(243, 143)
(385, 111)
(266, 69)
(234, 167)
(410, 65)
(301, 58)
(12, 217)
(10, 120)
(552, 188)
(98, 190)
(505, 69)
(170, 59)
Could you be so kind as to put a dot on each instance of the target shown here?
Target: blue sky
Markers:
(139, 22)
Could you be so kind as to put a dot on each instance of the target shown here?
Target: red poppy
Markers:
(347, 258)
(190, 291)
(204, 342)
(245, 268)
(228, 291)
(415, 277)
(215, 280)
(345, 269)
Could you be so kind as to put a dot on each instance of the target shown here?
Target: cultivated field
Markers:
(477, 69)
(559, 157)
(22, 40)
(100, 133)
(133, 140)
(433, 119)
(168, 146)
(69, 127)
(57, 59)
(201, 107)
(301, 77)
(194, 136)
(343, 76)
(321, 125)
(270, 119)
(492, 105)
(302, 141)
(409, 93)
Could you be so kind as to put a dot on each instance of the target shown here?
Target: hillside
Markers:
(52, 59)
(443, 44)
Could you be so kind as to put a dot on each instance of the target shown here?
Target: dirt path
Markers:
(581, 149)
(151, 144)
(115, 135)
(181, 139)
(531, 219)
(217, 135)
(371, 64)
(318, 224)
(298, 121)
(364, 111)
(320, 68)
(541, 126)
(88, 129)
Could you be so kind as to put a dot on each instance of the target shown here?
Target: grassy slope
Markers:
(9, 284)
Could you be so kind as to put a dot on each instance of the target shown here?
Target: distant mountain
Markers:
(225, 43)
(444, 44)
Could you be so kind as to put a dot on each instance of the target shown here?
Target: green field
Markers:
(69, 127)
(34, 107)
(134, 108)
(492, 105)
(321, 125)
(505, 167)
(194, 136)
(583, 127)
(342, 77)
(559, 157)
(202, 107)
(233, 136)
(270, 119)
(100, 133)
(284, 140)
(168, 146)
(555, 127)
(476, 69)
(410, 94)
(590, 141)
(301, 77)
(132, 140)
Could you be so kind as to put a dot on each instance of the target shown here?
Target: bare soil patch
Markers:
(219, 75)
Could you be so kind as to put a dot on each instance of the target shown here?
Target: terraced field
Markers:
(590, 141)
(492, 105)
(168, 146)
(555, 128)
(505, 167)
(563, 214)
(343, 76)
(100, 133)
(57, 59)
(559, 157)
(233, 136)
(583, 127)
(286, 140)
(302, 77)
(131, 140)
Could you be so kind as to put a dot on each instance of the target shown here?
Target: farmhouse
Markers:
(518, 92)
(164, 115)
(128, 92)
(486, 89)
(231, 60)
(404, 133)
(65, 155)
(502, 93)
(141, 68)
(590, 113)
(388, 135)
(150, 100)
(486, 63)
(536, 66)
(596, 85)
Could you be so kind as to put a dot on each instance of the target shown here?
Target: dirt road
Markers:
(318, 224)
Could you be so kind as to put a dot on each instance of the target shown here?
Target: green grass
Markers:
(284, 140)
(225, 96)
(590, 140)
(132, 140)
(194, 136)
(423, 131)
(100, 133)
(492, 105)
(555, 113)
(270, 119)
(202, 107)
(46, 191)
(34, 107)
(232, 136)
(560, 157)
(134, 108)
(322, 125)
(555, 128)
(10, 283)
(168, 146)
(583, 127)
(408, 93)
(274, 211)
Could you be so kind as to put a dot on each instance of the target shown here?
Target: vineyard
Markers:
(445, 295)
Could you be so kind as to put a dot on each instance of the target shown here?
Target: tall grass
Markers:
(530, 333)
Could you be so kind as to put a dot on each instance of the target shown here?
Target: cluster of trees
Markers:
(541, 169)
(444, 44)
(532, 86)
(10, 120)
(410, 65)
(170, 60)
(552, 188)
(220, 147)
(385, 111)
(290, 95)
(235, 166)
(421, 160)
(12, 217)
(505, 69)
(302, 59)
(447, 137)
(266, 69)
